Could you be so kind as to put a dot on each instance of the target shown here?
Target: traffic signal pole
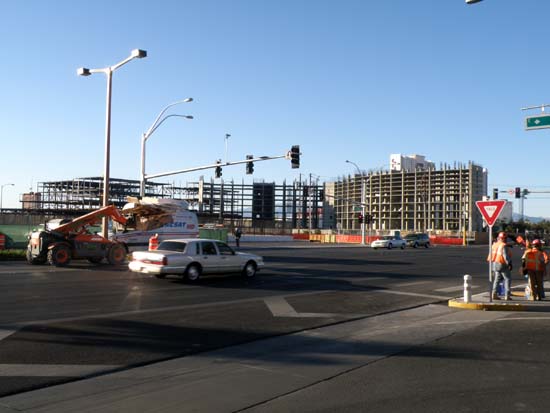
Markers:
(221, 164)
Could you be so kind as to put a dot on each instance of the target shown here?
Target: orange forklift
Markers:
(73, 240)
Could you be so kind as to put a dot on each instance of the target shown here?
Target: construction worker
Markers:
(501, 257)
(533, 262)
(546, 261)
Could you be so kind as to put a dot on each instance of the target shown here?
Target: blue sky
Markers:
(354, 80)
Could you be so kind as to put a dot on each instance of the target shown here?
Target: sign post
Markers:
(490, 210)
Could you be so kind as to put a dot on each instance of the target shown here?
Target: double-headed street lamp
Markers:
(158, 121)
(362, 201)
(2, 194)
(135, 54)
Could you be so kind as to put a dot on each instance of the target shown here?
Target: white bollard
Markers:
(467, 288)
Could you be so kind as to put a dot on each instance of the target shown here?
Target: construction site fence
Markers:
(356, 239)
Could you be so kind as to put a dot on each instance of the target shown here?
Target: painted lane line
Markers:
(412, 283)
(52, 370)
(453, 289)
(437, 297)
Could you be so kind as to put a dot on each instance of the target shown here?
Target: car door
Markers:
(229, 260)
(209, 258)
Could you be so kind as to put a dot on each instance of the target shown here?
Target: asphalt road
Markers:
(59, 325)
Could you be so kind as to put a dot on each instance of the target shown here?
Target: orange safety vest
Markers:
(534, 260)
(497, 253)
(153, 242)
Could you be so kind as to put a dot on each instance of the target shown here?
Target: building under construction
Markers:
(262, 205)
(420, 200)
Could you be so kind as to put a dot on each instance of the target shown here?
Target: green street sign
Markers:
(357, 208)
(537, 122)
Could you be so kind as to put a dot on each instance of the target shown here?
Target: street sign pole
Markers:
(490, 210)
(490, 265)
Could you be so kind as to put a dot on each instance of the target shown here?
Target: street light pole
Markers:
(363, 208)
(2, 195)
(108, 71)
(158, 121)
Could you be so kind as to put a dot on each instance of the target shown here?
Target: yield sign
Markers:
(490, 210)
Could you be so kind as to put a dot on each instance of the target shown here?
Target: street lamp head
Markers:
(83, 71)
(472, 1)
(187, 100)
(188, 117)
(138, 53)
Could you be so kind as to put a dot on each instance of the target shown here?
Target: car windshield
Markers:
(172, 246)
(411, 236)
(387, 237)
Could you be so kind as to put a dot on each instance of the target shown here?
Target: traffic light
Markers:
(295, 156)
(368, 219)
(249, 165)
(305, 190)
(518, 192)
(495, 193)
(360, 218)
(322, 194)
(218, 172)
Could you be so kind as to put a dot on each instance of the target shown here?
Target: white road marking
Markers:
(5, 333)
(453, 289)
(412, 283)
(52, 370)
(279, 307)
(437, 297)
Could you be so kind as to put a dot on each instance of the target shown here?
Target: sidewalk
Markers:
(518, 302)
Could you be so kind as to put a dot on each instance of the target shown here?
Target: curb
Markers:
(487, 306)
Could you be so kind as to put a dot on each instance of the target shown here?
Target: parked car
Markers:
(193, 257)
(388, 242)
(418, 240)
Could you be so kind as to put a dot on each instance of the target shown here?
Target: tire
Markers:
(59, 256)
(95, 260)
(38, 260)
(250, 269)
(427, 245)
(415, 245)
(390, 246)
(116, 255)
(402, 246)
(193, 273)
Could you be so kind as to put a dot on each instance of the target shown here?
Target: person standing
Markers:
(533, 262)
(501, 257)
(238, 235)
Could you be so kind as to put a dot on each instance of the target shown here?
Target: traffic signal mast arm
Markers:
(213, 166)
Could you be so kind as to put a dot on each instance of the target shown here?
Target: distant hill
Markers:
(534, 220)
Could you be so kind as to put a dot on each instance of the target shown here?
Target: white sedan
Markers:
(389, 242)
(193, 257)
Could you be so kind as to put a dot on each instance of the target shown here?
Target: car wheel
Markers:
(415, 245)
(390, 246)
(59, 256)
(374, 248)
(193, 273)
(117, 254)
(427, 245)
(250, 269)
(402, 246)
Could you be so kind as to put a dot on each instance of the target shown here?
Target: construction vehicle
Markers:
(74, 240)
